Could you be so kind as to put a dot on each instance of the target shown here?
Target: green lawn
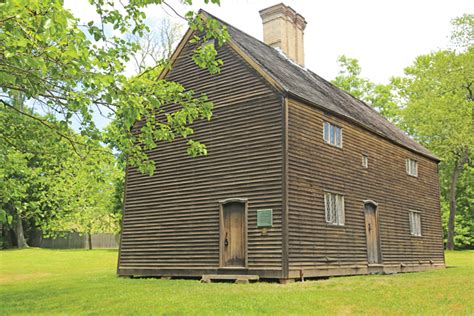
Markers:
(42, 281)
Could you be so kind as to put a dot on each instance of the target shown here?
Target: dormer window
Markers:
(332, 134)
(412, 167)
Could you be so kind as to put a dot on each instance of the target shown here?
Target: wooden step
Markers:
(238, 278)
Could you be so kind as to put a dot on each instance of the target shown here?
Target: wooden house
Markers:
(301, 178)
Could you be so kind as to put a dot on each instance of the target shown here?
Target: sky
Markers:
(385, 36)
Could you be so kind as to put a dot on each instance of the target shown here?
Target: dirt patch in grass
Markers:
(6, 279)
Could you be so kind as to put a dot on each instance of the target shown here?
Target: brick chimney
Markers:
(284, 28)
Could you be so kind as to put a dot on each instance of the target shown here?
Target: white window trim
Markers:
(365, 161)
(411, 166)
(415, 223)
(328, 141)
(339, 209)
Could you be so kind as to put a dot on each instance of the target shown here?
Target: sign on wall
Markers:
(265, 218)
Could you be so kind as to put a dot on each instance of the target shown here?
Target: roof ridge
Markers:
(234, 27)
(307, 85)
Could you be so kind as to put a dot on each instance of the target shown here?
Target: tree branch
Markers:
(43, 122)
(175, 12)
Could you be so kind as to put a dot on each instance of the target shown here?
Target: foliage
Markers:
(48, 182)
(155, 45)
(464, 221)
(87, 190)
(438, 111)
(379, 96)
(438, 104)
(433, 103)
(75, 70)
(84, 282)
(462, 35)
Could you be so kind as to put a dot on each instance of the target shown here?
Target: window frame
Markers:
(365, 161)
(411, 166)
(414, 218)
(330, 135)
(337, 213)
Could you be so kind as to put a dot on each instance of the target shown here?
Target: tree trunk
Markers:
(19, 233)
(458, 168)
(89, 239)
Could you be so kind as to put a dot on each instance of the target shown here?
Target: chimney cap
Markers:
(283, 28)
(282, 9)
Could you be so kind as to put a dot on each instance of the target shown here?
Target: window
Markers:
(334, 206)
(365, 161)
(412, 167)
(332, 134)
(415, 223)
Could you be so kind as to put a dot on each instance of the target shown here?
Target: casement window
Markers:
(415, 223)
(412, 167)
(365, 161)
(334, 207)
(332, 134)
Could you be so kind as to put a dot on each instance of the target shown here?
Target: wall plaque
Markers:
(265, 218)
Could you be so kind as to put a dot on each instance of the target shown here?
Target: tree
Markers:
(379, 96)
(73, 70)
(464, 219)
(155, 45)
(438, 111)
(462, 35)
(44, 182)
(434, 104)
(87, 191)
(24, 159)
(69, 71)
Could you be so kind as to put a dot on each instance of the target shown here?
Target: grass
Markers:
(41, 281)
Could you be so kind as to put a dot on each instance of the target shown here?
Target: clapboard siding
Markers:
(268, 148)
(171, 219)
(314, 166)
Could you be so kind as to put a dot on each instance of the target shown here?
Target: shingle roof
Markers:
(305, 84)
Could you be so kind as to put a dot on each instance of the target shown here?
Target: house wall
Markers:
(314, 166)
(171, 219)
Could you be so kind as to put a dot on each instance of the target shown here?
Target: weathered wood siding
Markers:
(315, 166)
(171, 219)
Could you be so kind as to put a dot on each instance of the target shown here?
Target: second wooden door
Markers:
(233, 235)
(372, 233)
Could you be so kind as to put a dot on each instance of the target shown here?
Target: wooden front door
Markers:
(372, 233)
(233, 234)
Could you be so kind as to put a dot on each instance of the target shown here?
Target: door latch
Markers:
(226, 241)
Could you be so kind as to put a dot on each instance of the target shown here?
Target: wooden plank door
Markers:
(233, 237)
(372, 233)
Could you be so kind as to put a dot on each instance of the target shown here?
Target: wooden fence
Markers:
(75, 240)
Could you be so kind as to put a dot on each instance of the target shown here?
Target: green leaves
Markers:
(5, 218)
(45, 180)
(438, 111)
(463, 31)
(205, 57)
(433, 103)
(379, 96)
(196, 149)
(73, 70)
